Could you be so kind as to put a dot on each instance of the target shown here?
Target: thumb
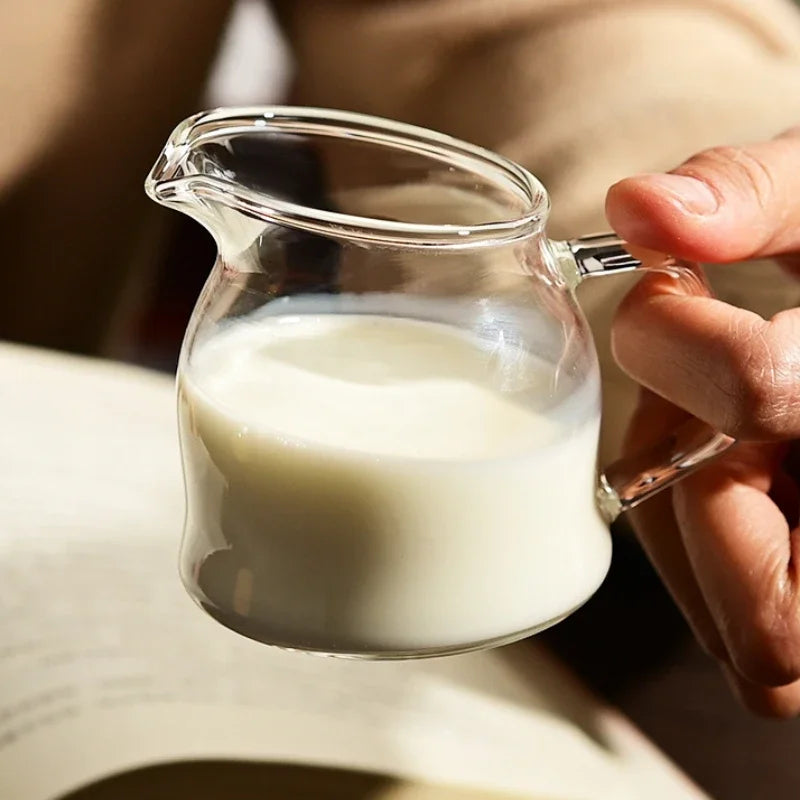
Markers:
(725, 204)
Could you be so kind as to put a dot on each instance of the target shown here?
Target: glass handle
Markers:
(634, 479)
(602, 253)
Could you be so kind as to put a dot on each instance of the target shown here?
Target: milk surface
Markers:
(373, 484)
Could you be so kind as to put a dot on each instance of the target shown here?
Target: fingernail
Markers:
(692, 194)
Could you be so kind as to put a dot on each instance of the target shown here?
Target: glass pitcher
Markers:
(389, 399)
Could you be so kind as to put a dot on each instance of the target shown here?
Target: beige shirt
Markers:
(583, 92)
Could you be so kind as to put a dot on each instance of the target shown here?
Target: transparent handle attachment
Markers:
(634, 479)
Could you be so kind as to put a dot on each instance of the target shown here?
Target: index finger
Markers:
(727, 366)
(725, 204)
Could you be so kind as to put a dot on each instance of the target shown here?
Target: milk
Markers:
(363, 484)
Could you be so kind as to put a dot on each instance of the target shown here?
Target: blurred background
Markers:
(252, 67)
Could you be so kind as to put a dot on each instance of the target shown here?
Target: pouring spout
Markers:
(238, 162)
(172, 163)
(165, 172)
(197, 173)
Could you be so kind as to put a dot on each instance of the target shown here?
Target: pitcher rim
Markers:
(165, 185)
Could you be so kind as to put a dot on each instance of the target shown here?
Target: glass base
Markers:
(245, 627)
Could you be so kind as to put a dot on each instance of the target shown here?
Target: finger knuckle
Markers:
(765, 394)
(742, 166)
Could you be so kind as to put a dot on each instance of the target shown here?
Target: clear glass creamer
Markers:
(389, 399)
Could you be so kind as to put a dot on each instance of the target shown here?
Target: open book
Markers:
(113, 685)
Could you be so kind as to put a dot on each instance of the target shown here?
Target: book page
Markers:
(106, 665)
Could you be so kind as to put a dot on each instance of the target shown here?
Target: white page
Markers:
(105, 664)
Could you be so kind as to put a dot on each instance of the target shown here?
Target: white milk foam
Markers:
(374, 484)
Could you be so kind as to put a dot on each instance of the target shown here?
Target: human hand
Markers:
(726, 540)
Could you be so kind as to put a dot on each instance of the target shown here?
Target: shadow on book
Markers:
(239, 780)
